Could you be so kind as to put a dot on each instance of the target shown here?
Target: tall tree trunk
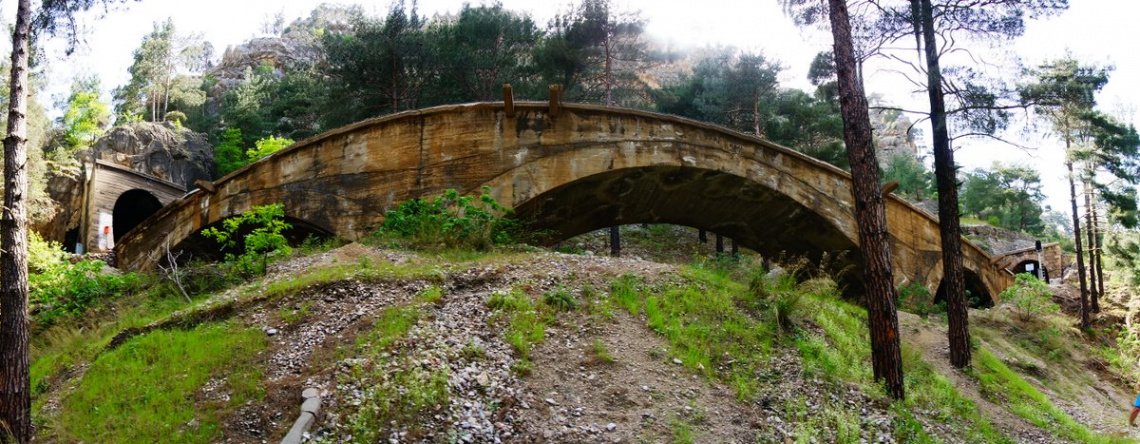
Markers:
(1099, 252)
(394, 82)
(702, 237)
(946, 174)
(615, 233)
(1077, 240)
(15, 389)
(1094, 295)
(870, 211)
(609, 80)
(756, 116)
(719, 244)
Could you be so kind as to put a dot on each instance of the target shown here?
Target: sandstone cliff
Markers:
(162, 150)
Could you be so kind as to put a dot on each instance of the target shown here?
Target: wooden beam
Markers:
(555, 100)
(888, 187)
(508, 101)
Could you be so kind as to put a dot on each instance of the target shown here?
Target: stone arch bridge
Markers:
(570, 169)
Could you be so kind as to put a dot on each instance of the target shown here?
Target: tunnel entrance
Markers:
(1030, 267)
(131, 208)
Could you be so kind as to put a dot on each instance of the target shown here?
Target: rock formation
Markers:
(162, 150)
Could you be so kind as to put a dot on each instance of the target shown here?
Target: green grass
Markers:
(702, 323)
(526, 323)
(365, 270)
(64, 346)
(841, 353)
(294, 315)
(145, 390)
(601, 353)
(1004, 387)
(400, 390)
(682, 431)
(431, 295)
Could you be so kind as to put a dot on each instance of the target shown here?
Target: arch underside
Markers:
(754, 215)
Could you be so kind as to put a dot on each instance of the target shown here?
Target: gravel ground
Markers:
(569, 397)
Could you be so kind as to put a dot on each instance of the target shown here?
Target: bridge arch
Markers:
(579, 167)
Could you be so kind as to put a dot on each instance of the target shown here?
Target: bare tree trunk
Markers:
(870, 211)
(615, 233)
(946, 174)
(15, 388)
(756, 116)
(1077, 241)
(1099, 252)
(609, 71)
(719, 244)
(1094, 296)
(394, 82)
(702, 237)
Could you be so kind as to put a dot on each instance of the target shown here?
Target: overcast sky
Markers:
(1100, 31)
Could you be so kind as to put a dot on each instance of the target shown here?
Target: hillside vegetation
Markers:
(520, 344)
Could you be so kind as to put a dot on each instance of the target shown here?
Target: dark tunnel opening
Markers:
(977, 296)
(71, 240)
(1031, 266)
(131, 208)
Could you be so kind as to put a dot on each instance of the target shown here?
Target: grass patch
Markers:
(431, 295)
(366, 270)
(402, 390)
(703, 324)
(841, 353)
(144, 391)
(526, 323)
(682, 431)
(601, 353)
(931, 392)
(560, 299)
(294, 315)
(57, 350)
(1004, 387)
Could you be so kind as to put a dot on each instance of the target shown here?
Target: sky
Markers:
(1086, 31)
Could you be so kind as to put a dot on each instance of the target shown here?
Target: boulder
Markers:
(163, 150)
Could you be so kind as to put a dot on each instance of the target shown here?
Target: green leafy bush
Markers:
(451, 221)
(229, 154)
(1029, 298)
(257, 233)
(43, 255)
(70, 290)
(267, 146)
(915, 298)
